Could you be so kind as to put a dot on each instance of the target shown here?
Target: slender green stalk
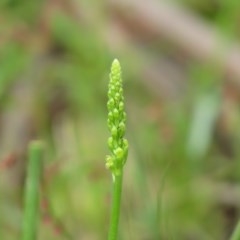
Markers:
(31, 197)
(116, 203)
(118, 145)
(236, 232)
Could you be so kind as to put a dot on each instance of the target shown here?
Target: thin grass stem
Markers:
(31, 194)
(236, 232)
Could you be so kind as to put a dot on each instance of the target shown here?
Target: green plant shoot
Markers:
(118, 145)
(32, 188)
(236, 232)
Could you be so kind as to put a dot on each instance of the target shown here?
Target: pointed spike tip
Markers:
(115, 62)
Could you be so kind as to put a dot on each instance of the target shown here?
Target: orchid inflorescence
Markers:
(118, 145)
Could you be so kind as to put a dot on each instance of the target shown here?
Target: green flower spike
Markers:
(117, 144)
(116, 121)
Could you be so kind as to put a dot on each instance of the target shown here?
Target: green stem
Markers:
(31, 198)
(236, 232)
(116, 204)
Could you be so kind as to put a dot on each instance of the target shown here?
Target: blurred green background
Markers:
(181, 73)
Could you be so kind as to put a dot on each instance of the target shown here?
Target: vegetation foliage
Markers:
(181, 180)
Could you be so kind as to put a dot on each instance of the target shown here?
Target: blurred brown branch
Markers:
(160, 19)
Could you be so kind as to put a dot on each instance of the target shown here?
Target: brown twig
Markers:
(160, 19)
(8, 162)
(48, 219)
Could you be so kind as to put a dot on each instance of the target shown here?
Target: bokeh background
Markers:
(181, 73)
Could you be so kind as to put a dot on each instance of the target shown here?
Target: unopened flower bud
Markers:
(110, 142)
(110, 104)
(119, 153)
(114, 131)
(115, 113)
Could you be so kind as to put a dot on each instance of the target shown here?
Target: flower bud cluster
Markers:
(116, 121)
